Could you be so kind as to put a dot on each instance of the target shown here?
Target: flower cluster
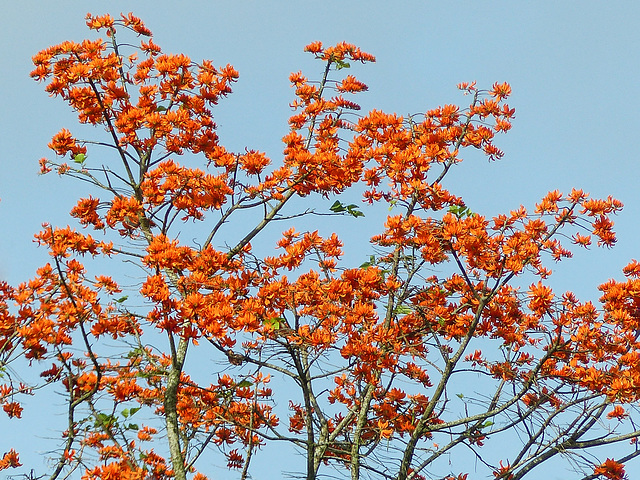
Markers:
(375, 350)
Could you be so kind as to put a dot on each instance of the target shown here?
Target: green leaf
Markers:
(132, 426)
(105, 421)
(337, 207)
(127, 412)
(352, 209)
(244, 384)
(136, 352)
(461, 211)
(160, 108)
(340, 64)
(80, 158)
(402, 310)
(274, 322)
(370, 263)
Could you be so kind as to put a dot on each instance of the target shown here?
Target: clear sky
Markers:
(573, 66)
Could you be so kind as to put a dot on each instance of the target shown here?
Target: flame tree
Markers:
(432, 356)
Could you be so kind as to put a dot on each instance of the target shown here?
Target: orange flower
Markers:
(63, 142)
(500, 90)
(99, 22)
(541, 299)
(611, 470)
(13, 409)
(10, 460)
(135, 24)
(315, 47)
(86, 211)
(618, 412)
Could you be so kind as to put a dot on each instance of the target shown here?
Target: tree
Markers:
(426, 356)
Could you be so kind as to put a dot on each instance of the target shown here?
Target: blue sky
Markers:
(573, 67)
